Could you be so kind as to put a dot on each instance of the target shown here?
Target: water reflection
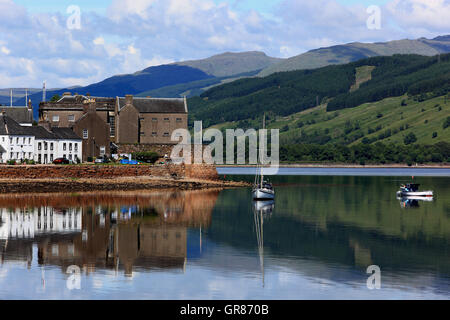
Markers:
(413, 202)
(107, 231)
(315, 241)
(262, 210)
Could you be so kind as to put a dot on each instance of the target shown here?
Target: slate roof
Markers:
(9, 126)
(19, 114)
(156, 105)
(65, 133)
(41, 133)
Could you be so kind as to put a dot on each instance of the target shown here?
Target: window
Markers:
(179, 120)
(10, 140)
(64, 156)
(70, 147)
(3, 139)
(17, 155)
(85, 133)
(51, 146)
(76, 147)
(166, 134)
(155, 119)
(70, 157)
(64, 146)
(17, 140)
(29, 140)
(12, 155)
(154, 134)
(51, 157)
(55, 118)
(45, 146)
(39, 158)
(166, 119)
(102, 151)
(30, 155)
(40, 146)
(112, 126)
(71, 117)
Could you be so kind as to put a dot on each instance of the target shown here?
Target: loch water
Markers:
(315, 241)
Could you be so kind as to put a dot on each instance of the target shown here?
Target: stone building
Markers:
(104, 122)
(149, 120)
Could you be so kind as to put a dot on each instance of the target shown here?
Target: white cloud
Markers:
(5, 50)
(135, 34)
(99, 41)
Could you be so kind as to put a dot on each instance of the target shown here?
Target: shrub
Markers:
(11, 162)
(147, 157)
(446, 123)
(410, 138)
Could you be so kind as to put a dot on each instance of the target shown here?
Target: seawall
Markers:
(201, 171)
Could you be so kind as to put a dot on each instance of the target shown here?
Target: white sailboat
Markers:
(262, 190)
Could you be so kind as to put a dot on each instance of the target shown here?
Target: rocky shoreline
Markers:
(115, 184)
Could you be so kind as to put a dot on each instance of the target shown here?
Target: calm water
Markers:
(314, 242)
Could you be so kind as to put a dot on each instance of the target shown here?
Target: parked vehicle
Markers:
(61, 161)
(126, 161)
(102, 160)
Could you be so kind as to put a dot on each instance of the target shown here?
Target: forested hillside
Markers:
(286, 93)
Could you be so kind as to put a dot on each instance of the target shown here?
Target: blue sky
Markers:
(124, 36)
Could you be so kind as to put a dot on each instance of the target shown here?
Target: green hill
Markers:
(346, 53)
(286, 93)
(229, 63)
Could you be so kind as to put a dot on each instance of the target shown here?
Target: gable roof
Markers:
(19, 114)
(9, 126)
(41, 133)
(156, 105)
(65, 133)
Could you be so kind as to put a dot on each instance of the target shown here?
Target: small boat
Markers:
(262, 189)
(412, 190)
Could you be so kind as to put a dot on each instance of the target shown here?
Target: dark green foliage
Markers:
(147, 157)
(282, 93)
(417, 76)
(55, 98)
(446, 123)
(377, 153)
(434, 135)
(410, 138)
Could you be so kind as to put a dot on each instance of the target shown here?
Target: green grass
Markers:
(422, 118)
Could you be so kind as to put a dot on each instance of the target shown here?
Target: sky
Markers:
(49, 40)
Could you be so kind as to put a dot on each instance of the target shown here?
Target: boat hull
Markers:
(415, 194)
(263, 194)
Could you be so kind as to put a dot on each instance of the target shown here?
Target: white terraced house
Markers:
(36, 143)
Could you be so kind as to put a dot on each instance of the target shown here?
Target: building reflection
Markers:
(118, 231)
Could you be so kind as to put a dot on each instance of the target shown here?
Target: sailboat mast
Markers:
(262, 153)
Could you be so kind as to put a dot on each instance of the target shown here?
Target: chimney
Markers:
(46, 125)
(128, 99)
(89, 107)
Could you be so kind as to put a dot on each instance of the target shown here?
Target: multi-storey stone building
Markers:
(128, 120)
